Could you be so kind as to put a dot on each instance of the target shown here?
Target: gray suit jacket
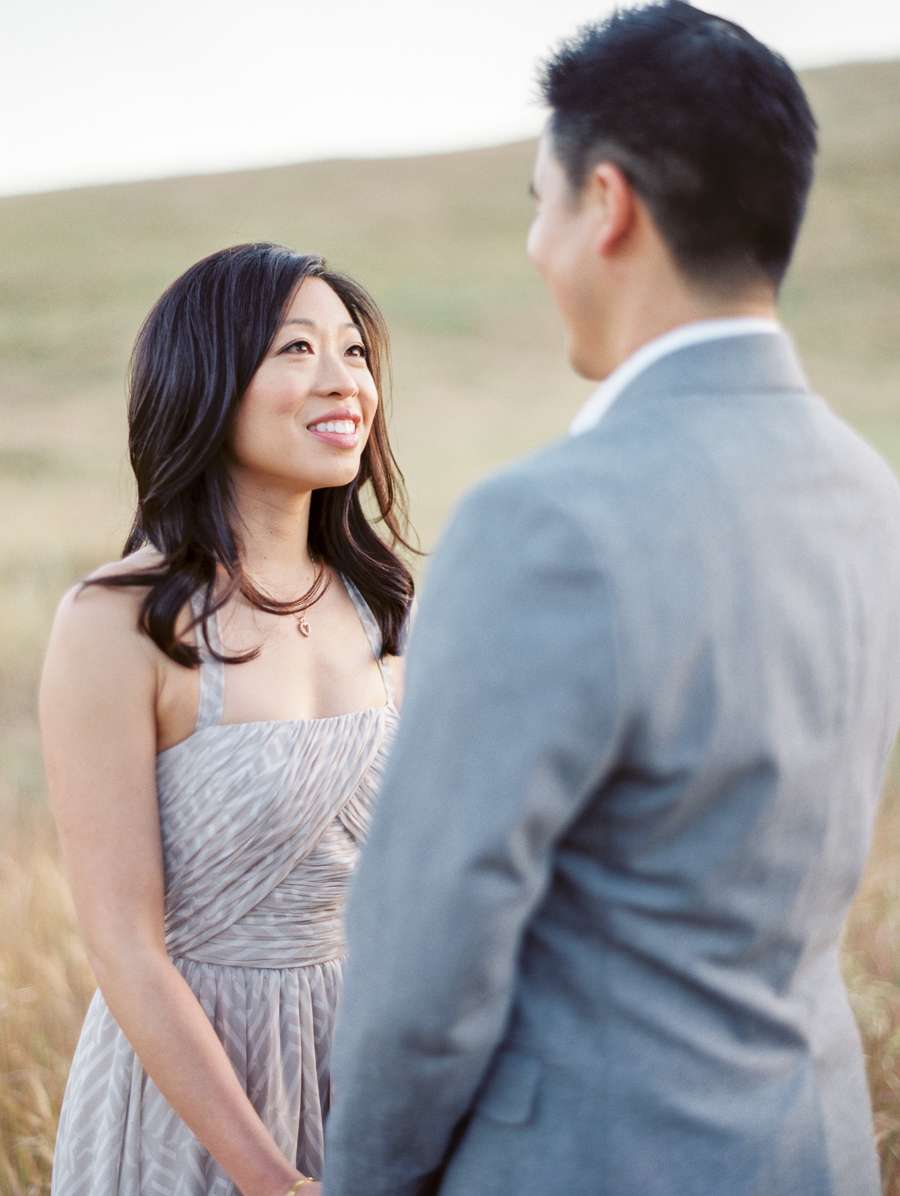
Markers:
(651, 694)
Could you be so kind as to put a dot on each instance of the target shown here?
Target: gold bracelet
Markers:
(304, 1179)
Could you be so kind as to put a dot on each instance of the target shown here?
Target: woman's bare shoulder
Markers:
(105, 618)
(143, 560)
(102, 668)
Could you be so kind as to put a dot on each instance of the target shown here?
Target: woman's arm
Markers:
(98, 706)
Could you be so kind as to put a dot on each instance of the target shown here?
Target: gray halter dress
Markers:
(261, 826)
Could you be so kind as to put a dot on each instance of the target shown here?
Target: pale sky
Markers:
(99, 91)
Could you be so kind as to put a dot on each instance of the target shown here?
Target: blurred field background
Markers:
(479, 377)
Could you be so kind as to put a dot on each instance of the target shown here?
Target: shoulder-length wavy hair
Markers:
(192, 362)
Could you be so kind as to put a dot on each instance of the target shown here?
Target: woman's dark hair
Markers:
(709, 126)
(193, 360)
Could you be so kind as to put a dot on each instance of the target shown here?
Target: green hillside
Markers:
(479, 374)
(479, 377)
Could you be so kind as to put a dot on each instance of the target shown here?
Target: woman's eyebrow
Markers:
(307, 323)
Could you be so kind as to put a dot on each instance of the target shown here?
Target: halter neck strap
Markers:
(373, 634)
(212, 670)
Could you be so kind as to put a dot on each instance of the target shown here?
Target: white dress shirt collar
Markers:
(597, 405)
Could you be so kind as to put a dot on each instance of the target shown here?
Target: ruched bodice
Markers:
(253, 876)
(261, 826)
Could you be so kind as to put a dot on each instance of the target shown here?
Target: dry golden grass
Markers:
(872, 969)
(45, 985)
(479, 378)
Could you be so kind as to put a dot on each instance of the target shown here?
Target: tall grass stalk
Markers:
(45, 985)
(872, 968)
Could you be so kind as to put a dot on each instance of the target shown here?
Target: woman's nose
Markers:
(335, 376)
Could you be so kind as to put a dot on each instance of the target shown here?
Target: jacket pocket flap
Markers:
(510, 1088)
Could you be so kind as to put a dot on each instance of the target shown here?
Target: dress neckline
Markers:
(211, 701)
(387, 707)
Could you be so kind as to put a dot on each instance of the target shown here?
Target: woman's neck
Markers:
(272, 535)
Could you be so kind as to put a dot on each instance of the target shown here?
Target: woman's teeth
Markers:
(345, 426)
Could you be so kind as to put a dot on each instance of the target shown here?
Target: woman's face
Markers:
(304, 420)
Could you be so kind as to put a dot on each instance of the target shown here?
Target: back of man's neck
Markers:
(681, 305)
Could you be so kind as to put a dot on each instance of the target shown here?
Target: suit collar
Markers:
(715, 356)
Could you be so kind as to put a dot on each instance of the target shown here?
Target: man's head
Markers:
(709, 127)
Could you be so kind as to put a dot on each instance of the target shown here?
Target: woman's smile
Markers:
(340, 429)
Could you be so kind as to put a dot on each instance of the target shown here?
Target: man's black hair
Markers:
(711, 128)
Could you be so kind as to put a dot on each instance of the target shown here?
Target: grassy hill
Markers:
(479, 371)
(479, 374)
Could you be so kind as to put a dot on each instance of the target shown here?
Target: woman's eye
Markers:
(297, 347)
(358, 351)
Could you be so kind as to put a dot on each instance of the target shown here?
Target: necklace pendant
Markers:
(302, 626)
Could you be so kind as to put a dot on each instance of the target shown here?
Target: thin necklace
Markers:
(317, 590)
(320, 584)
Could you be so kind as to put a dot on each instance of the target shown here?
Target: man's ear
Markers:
(615, 206)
